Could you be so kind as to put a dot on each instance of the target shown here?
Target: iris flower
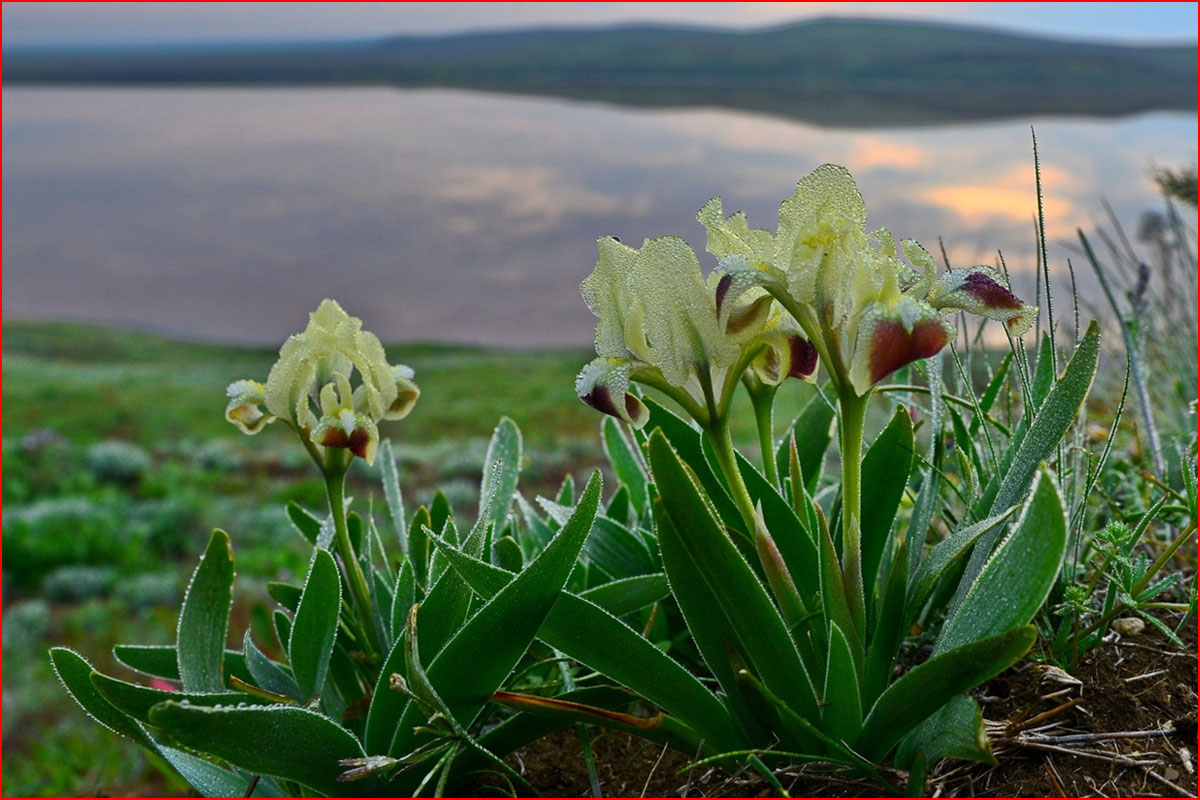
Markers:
(867, 312)
(662, 324)
(310, 387)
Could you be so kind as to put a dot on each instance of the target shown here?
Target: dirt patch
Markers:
(625, 766)
(1049, 729)
(1049, 732)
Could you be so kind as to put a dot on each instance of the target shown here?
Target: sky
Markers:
(27, 24)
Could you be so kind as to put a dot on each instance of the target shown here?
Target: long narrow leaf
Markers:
(624, 596)
(281, 741)
(267, 674)
(885, 470)
(75, 673)
(697, 538)
(626, 465)
(315, 625)
(477, 659)
(926, 688)
(1015, 581)
(1053, 419)
(812, 429)
(136, 701)
(687, 443)
(501, 469)
(595, 638)
(204, 618)
(160, 661)
(391, 492)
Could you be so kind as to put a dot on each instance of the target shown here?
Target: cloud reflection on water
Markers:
(228, 213)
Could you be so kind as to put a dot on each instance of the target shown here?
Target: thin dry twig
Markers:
(1100, 756)
(1076, 738)
(1183, 792)
(646, 785)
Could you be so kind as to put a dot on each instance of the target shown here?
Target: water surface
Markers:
(228, 214)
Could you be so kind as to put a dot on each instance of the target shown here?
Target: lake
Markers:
(227, 214)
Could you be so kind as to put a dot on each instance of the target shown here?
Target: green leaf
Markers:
(501, 469)
(566, 491)
(446, 605)
(283, 628)
(382, 599)
(696, 543)
(439, 512)
(308, 525)
(1054, 418)
(927, 499)
(403, 599)
(536, 531)
(890, 629)
(386, 704)
(160, 661)
(418, 546)
(441, 614)
(315, 625)
(354, 528)
(204, 618)
(285, 594)
(993, 389)
(268, 674)
(594, 637)
(624, 596)
(619, 507)
(841, 709)
(947, 552)
(626, 465)
(813, 432)
(955, 730)
(282, 741)
(1018, 577)
(1043, 374)
(75, 673)
(926, 688)
(136, 701)
(710, 628)
(686, 441)
(207, 779)
(966, 449)
(477, 659)
(794, 729)
(617, 551)
(885, 470)
(794, 541)
(391, 492)
(833, 594)
(506, 554)
(210, 780)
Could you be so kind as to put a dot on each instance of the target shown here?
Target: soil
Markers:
(1138, 684)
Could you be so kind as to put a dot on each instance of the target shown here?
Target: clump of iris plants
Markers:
(783, 604)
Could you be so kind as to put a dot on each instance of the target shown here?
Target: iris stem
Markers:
(854, 414)
(716, 428)
(727, 459)
(335, 487)
(762, 400)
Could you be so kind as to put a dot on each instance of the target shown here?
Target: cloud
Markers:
(1010, 196)
(530, 200)
(870, 153)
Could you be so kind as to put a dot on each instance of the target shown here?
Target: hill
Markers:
(829, 72)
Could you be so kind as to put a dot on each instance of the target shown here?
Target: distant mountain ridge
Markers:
(827, 71)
